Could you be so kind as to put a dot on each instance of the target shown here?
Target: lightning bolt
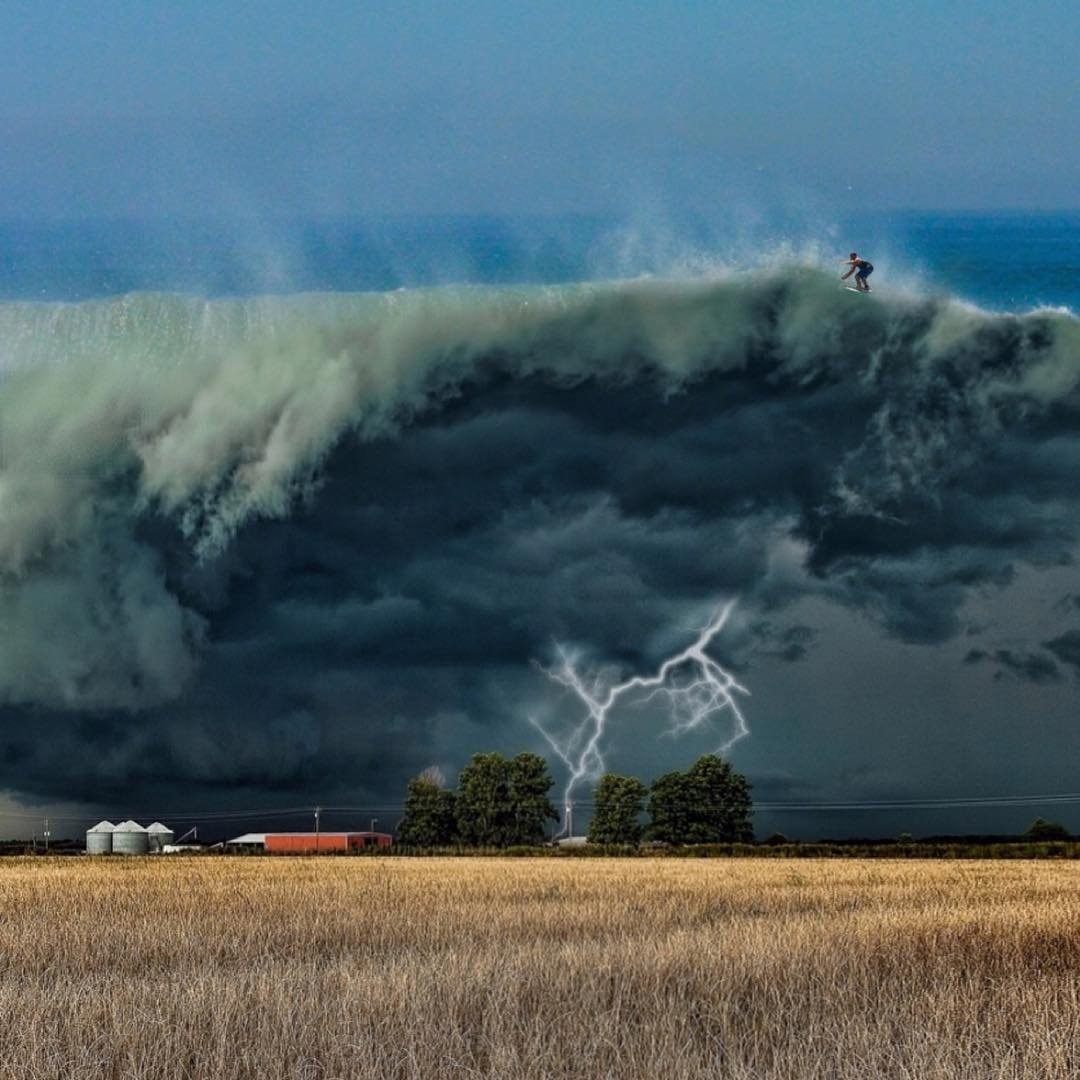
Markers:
(692, 684)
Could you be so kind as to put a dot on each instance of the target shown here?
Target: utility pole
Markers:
(373, 820)
(570, 818)
(318, 811)
(47, 835)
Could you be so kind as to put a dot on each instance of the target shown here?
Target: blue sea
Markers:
(1012, 262)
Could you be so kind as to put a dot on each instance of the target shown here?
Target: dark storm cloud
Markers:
(1032, 666)
(1066, 648)
(312, 544)
(789, 643)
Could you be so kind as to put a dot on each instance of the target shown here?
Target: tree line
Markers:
(505, 802)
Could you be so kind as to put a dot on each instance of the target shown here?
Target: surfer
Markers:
(862, 269)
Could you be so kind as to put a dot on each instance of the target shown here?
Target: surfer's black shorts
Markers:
(864, 271)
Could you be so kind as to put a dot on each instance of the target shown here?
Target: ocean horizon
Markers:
(1008, 260)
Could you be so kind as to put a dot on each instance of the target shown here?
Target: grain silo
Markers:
(130, 838)
(99, 838)
(159, 835)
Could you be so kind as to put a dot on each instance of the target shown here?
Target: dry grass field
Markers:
(315, 968)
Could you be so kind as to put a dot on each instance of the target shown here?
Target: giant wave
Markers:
(208, 504)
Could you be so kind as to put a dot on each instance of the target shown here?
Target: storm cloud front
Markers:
(253, 548)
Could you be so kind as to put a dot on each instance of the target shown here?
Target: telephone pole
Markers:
(47, 835)
(318, 811)
(570, 818)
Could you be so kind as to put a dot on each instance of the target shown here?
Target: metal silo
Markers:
(130, 838)
(99, 838)
(159, 835)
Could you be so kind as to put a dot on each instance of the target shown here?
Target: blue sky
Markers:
(136, 108)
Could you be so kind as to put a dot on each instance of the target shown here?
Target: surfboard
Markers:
(851, 288)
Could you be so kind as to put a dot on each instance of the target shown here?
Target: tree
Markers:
(620, 801)
(670, 800)
(502, 802)
(1040, 829)
(532, 808)
(723, 809)
(430, 814)
(708, 804)
(484, 812)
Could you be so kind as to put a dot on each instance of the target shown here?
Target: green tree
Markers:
(1040, 829)
(671, 799)
(430, 813)
(531, 807)
(723, 805)
(620, 802)
(708, 804)
(502, 802)
(484, 809)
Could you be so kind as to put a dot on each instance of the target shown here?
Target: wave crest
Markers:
(213, 414)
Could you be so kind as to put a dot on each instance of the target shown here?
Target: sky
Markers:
(279, 551)
(203, 109)
(267, 546)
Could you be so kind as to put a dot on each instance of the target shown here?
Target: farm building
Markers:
(127, 838)
(160, 836)
(130, 838)
(306, 843)
(99, 838)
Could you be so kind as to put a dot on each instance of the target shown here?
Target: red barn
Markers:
(296, 843)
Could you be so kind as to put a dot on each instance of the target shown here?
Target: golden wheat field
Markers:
(305, 968)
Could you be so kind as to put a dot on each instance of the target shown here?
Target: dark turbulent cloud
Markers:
(314, 543)
(1034, 667)
(789, 643)
(1066, 648)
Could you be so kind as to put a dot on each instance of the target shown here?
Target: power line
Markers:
(805, 805)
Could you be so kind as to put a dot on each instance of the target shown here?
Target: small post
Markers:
(318, 811)
(570, 818)
(47, 835)
(373, 820)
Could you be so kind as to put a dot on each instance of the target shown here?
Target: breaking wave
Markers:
(133, 425)
(221, 410)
